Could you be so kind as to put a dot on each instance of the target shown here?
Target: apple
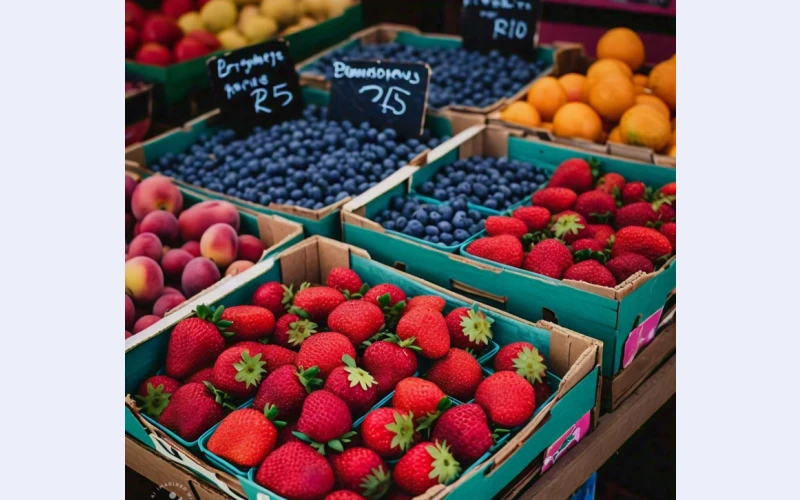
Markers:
(189, 48)
(155, 54)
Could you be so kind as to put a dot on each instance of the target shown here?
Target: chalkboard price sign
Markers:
(257, 85)
(383, 93)
(505, 25)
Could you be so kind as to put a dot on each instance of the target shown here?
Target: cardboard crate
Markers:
(571, 58)
(609, 315)
(575, 359)
(324, 222)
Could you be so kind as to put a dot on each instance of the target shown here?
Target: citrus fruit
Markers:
(604, 67)
(662, 81)
(613, 136)
(640, 79)
(218, 15)
(671, 151)
(576, 86)
(521, 113)
(576, 119)
(643, 125)
(547, 95)
(654, 101)
(547, 126)
(674, 118)
(623, 44)
(612, 96)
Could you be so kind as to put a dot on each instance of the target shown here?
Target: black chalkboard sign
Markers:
(256, 85)
(505, 25)
(386, 94)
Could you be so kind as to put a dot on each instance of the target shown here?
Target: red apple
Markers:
(134, 15)
(208, 39)
(189, 48)
(177, 8)
(155, 54)
(131, 41)
(161, 29)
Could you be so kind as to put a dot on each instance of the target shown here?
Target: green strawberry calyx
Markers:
(357, 295)
(529, 364)
(403, 430)
(587, 254)
(499, 433)
(426, 422)
(391, 312)
(271, 412)
(155, 401)
(357, 376)
(214, 315)
(301, 329)
(221, 397)
(477, 326)
(334, 444)
(250, 369)
(409, 343)
(288, 294)
(309, 378)
(376, 484)
(444, 467)
(567, 224)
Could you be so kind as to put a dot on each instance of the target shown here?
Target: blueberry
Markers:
(426, 188)
(446, 238)
(421, 215)
(444, 226)
(390, 225)
(461, 235)
(446, 211)
(459, 204)
(431, 230)
(460, 220)
(400, 222)
(434, 217)
(434, 239)
(414, 228)
(440, 194)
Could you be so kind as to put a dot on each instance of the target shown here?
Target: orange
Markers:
(654, 101)
(674, 118)
(576, 86)
(673, 139)
(643, 125)
(612, 96)
(547, 95)
(640, 89)
(623, 44)
(604, 67)
(671, 151)
(521, 113)
(546, 126)
(662, 81)
(576, 119)
(640, 79)
(613, 136)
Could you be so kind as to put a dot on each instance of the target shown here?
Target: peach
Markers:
(144, 280)
(161, 223)
(130, 311)
(130, 185)
(156, 193)
(220, 243)
(128, 334)
(199, 274)
(237, 267)
(196, 219)
(250, 248)
(146, 244)
(174, 261)
(144, 322)
(167, 302)
(193, 247)
(169, 289)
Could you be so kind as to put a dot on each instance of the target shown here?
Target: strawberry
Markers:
(665, 212)
(389, 362)
(601, 233)
(575, 174)
(398, 494)
(535, 218)
(357, 320)
(354, 385)
(433, 302)
(291, 330)
(345, 280)
(523, 358)
(204, 375)
(193, 409)
(422, 398)
(587, 244)
(591, 271)
(643, 241)
(154, 394)
(625, 265)
(466, 429)
(343, 495)
(458, 374)
(668, 189)
(276, 356)
(555, 199)
(239, 370)
(639, 213)
(633, 192)
(611, 183)
(324, 420)
(286, 434)
(507, 398)
(390, 298)
(548, 258)
(469, 328)
(499, 224)
(325, 350)
(542, 391)
(389, 432)
(317, 302)
(668, 230)
(296, 472)
(287, 388)
(274, 296)
(249, 322)
(569, 226)
(504, 249)
(429, 330)
(196, 342)
(246, 436)
(424, 466)
(362, 470)
(596, 206)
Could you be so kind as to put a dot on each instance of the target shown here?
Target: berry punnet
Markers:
(445, 225)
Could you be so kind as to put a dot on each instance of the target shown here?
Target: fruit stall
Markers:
(364, 260)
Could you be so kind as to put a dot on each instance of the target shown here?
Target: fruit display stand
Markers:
(325, 221)
(572, 357)
(612, 315)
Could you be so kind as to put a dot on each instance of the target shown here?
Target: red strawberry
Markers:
(344, 495)
(249, 322)
(317, 301)
(601, 233)
(204, 375)
(287, 388)
(633, 192)
(357, 320)
(422, 398)
(587, 244)
(396, 295)
(195, 342)
(466, 429)
(458, 374)
(668, 230)
(611, 183)
(569, 226)
(625, 265)
(239, 370)
(505, 249)
(507, 398)
(549, 258)
(535, 218)
(325, 350)
(575, 174)
(193, 409)
(344, 280)
(362, 470)
(499, 224)
(245, 437)
(389, 363)
(354, 385)
(555, 199)
(291, 330)
(154, 394)
(591, 271)
(274, 296)
(325, 420)
(596, 206)
(433, 302)
(523, 358)
(469, 328)
(665, 212)
(276, 356)
(296, 472)
(389, 432)
(643, 241)
(424, 466)
(542, 391)
(286, 434)
(636, 214)
(429, 330)
(668, 189)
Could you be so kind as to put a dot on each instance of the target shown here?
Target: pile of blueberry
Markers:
(495, 183)
(447, 224)
(459, 76)
(311, 162)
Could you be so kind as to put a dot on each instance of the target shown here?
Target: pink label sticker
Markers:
(570, 438)
(640, 336)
